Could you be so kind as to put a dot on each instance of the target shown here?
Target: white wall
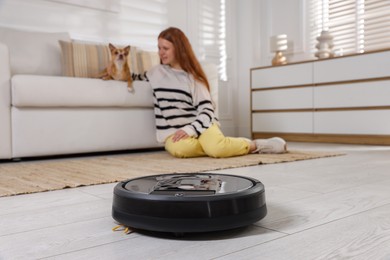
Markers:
(257, 21)
(88, 24)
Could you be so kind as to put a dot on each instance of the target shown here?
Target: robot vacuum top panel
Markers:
(189, 184)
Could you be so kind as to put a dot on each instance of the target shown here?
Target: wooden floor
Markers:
(329, 208)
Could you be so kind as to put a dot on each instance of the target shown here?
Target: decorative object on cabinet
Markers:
(278, 45)
(324, 45)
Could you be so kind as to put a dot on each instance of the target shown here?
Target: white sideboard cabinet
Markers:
(343, 100)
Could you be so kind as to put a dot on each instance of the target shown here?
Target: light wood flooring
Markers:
(329, 208)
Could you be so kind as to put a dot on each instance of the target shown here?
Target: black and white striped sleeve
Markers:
(204, 106)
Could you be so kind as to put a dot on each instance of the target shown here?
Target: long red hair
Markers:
(184, 54)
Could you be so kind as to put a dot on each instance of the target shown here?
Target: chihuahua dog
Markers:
(118, 68)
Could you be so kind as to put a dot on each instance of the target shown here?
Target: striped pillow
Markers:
(141, 61)
(148, 59)
(84, 60)
(88, 60)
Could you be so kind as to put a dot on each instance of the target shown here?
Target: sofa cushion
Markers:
(87, 60)
(33, 52)
(49, 91)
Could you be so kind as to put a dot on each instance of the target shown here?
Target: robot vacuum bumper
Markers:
(191, 202)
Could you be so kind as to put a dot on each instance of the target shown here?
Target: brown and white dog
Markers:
(118, 68)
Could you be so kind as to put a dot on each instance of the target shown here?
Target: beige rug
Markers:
(37, 176)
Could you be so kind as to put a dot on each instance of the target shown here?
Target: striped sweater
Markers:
(179, 102)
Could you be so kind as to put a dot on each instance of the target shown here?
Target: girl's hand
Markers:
(179, 134)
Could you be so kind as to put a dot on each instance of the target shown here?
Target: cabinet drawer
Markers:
(287, 75)
(374, 122)
(283, 98)
(365, 94)
(365, 66)
(289, 122)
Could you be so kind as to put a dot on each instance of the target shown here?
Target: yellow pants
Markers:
(211, 142)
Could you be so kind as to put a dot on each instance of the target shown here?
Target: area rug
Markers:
(45, 175)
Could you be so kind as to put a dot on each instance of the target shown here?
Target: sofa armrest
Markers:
(5, 103)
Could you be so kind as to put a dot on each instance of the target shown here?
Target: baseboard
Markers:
(328, 138)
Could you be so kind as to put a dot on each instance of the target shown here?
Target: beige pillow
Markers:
(148, 59)
(84, 60)
(88, 60)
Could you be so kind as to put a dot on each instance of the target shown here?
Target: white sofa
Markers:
(43, 113)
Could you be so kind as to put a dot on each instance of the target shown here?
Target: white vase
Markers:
(324, 45)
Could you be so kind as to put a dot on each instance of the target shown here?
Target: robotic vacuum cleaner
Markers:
(190, 202)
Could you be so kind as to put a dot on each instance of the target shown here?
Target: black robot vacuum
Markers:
(190, 202)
